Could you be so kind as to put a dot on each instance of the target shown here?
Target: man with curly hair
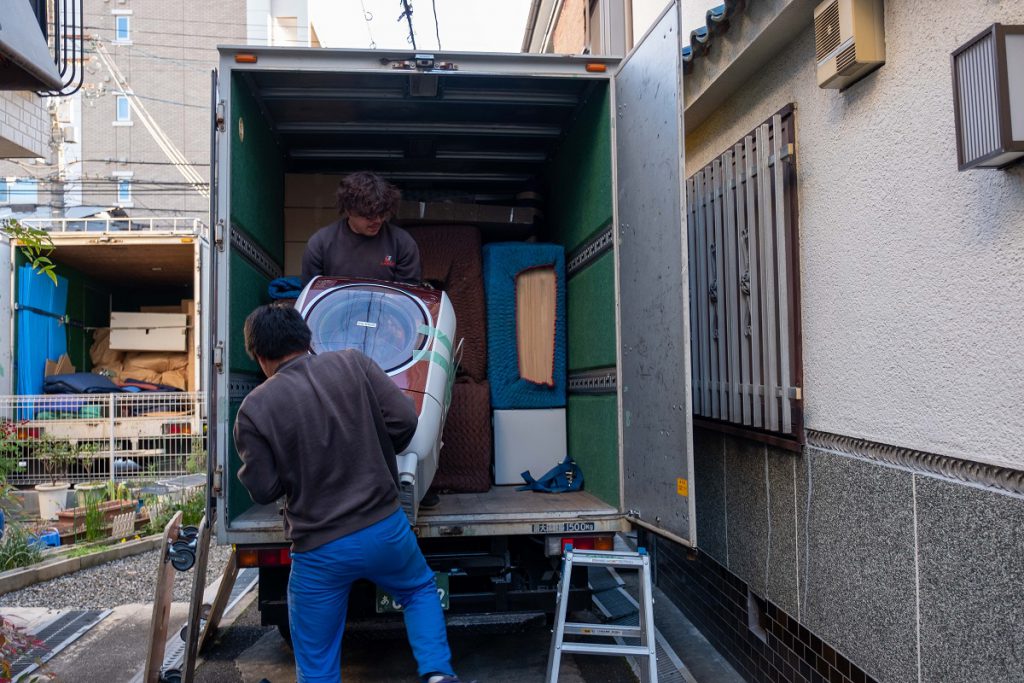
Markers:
(363, 243)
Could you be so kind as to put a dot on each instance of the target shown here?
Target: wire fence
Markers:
(117, 436)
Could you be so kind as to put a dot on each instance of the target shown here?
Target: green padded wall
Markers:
(579, 183)
(88, 303)
(248, 290)
(590, 306)
(257, 174)
(594, 443)
(238, 498)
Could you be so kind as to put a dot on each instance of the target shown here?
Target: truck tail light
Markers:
(263, 557)
(176, 428)
(555, 545)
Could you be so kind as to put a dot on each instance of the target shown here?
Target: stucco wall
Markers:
(570, 35)
(910, 271)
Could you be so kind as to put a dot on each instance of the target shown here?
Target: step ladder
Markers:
(644, 652)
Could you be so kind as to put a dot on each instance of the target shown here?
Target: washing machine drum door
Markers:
(382, 322)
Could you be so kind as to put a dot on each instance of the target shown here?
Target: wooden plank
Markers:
(755, 302)
(767, 244)
(536, 303)
(195, 610)
(163, 594)
(702, 294)
(691, 268)
(743, 302)
(781, 259)
(732, 330)
(719, 288)
(709, 246)
(220, 601)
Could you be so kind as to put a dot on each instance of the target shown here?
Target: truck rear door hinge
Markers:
(218, 356)
(218, 117)
(218, 477)
(218, 234)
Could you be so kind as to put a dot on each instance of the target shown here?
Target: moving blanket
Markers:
(450, 255)
(465, 462)
(504, 262)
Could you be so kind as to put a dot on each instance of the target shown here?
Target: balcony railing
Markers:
(152, 226)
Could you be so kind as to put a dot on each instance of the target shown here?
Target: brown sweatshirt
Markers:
(323, 432)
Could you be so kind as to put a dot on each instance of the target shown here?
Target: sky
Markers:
(464, 25)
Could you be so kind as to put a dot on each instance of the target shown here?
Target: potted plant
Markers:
(58, 456)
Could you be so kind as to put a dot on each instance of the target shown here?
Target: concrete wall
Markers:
(909, 576)
(24, 125)
(910, 317)
(167, 64)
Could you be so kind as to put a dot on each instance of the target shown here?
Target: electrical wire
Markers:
(368, 17)
(407, 15)
(437, 28)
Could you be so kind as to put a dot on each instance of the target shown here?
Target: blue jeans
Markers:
(385, 553)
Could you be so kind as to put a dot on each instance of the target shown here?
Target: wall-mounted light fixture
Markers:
(988, 98)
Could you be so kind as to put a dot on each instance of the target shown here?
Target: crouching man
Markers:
(323, 431)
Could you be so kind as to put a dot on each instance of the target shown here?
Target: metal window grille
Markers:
(744, 285)
(119, 436)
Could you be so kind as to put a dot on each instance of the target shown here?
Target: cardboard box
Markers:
(63, 366)
(531, 441)
(148, 331)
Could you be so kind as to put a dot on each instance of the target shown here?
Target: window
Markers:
(122, 33)
(22, 191)
(744, 287)
(124, 191)
(124, 110)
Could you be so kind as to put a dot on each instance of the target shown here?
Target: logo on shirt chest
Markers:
(388, 261)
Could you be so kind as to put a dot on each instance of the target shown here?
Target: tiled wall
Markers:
(894, 573)
(24, 125)
(715, 600)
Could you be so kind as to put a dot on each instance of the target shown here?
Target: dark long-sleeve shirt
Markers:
(391, 254)
(323, 431)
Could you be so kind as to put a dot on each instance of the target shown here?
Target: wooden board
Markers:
(195, 609)
(163, 595)
(220, 601)
(536, 318)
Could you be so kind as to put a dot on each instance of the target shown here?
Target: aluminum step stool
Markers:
(645, 652)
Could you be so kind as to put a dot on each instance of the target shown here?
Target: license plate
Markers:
(387, 603)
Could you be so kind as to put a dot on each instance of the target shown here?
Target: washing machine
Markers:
(410, 333)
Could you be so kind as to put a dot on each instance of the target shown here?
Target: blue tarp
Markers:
(42, 335)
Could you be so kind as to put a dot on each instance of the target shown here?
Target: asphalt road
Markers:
(245, 652)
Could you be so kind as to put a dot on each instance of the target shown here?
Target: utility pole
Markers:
(57, 145)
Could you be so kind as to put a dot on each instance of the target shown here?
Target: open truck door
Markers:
(655, 424)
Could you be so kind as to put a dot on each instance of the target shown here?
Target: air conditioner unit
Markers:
(69, 134)
(849, 41)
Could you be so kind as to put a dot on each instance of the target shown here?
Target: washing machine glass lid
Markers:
(382, 322)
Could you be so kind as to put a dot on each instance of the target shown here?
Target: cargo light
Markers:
(245, 58)
(596, 68)
(263, 557)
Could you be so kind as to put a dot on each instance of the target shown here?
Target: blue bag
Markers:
(564, 477)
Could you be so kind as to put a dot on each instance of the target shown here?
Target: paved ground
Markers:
(246, 653)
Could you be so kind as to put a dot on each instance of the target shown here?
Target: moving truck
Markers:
(109, 269)
(599, 139)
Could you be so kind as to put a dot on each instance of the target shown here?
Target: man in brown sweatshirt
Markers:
(323, 431)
